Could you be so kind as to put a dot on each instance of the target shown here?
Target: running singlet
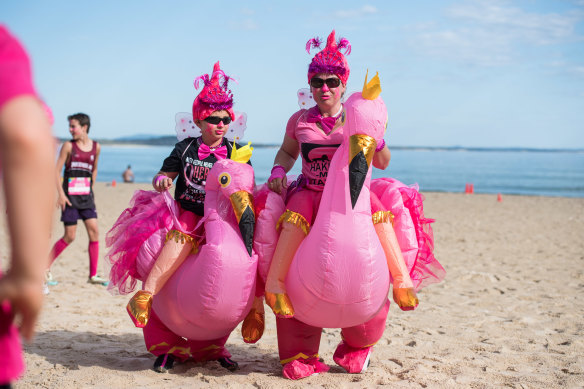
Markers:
(77, 177)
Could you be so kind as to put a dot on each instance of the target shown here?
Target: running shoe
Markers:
(98, 280)
(228, 364)
(163, 363)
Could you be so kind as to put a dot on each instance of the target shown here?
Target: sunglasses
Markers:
(216, 120)
(333, 82)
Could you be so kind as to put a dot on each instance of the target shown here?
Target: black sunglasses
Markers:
(333, 82)
(216, 120)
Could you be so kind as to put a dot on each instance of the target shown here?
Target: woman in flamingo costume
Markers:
(336, 245)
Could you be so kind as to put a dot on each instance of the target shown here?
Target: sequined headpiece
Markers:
(215, 96)
(330, 59)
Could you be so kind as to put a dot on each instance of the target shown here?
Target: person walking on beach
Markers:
(128, 174)
(79, 156)
(189, 163)
(315, 134)
(26, 158)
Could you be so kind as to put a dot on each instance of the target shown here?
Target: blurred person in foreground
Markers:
(26, 160)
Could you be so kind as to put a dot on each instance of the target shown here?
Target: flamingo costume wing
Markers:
(213, 290)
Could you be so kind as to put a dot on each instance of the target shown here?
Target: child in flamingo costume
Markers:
(184, 248)
(336, 245)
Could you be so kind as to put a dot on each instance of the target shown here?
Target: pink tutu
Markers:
(137, 237)
(412, 229)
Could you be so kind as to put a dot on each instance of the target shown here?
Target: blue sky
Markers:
(473, 73)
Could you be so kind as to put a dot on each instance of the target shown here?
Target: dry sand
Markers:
(510, 312)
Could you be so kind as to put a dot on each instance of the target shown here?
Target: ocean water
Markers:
(546, 173)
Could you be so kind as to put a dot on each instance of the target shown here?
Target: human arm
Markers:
(64, 155)
(286, 157)
(381, 158)
(26, 154)
(94, 172)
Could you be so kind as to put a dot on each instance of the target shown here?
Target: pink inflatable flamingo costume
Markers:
(341, 272)
(213, 290)
(339, 275)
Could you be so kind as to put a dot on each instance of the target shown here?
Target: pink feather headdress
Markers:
(330, 59)
(215, 96)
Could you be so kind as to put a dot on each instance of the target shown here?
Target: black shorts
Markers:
(70, 215)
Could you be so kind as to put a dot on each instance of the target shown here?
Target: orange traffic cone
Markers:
(113, 183)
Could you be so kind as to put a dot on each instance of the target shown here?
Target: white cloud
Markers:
(245, 24)
(247, 11)
(517, 23)
(493, 32)
(352, 13)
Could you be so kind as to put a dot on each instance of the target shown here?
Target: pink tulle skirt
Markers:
(413, 230)
(136, 238)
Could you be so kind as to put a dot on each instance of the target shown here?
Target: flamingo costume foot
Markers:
(353, 360)
(302, 368)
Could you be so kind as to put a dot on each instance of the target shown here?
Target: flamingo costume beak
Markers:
(361, 151)
(242, 203)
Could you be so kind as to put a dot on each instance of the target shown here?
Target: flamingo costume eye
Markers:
(224, 179)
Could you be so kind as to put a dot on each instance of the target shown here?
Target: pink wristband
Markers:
(159, 178)
(380, 145)
(277, 172)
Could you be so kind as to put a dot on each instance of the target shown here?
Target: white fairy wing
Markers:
(185, 126)
(305, 99)
(237, 127)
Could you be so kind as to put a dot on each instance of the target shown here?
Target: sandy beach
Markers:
(508, 314)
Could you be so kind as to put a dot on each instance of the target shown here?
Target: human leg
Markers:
(353, 353)
(298, 345)
(164, 344)
(90, 220)
(60, 245)
(212, 350)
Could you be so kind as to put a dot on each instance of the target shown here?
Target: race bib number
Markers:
(79, 186)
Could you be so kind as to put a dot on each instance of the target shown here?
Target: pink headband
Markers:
(330, 60)
(214, 96)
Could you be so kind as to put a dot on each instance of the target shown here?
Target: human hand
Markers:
(26, 298)
(277, 184)
(277, 181)
(405, 298)
(63, 201)
(162, 183)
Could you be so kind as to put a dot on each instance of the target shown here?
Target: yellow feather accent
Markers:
(243, 154)
(382, 217)
(294, 218)
(372, 89)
